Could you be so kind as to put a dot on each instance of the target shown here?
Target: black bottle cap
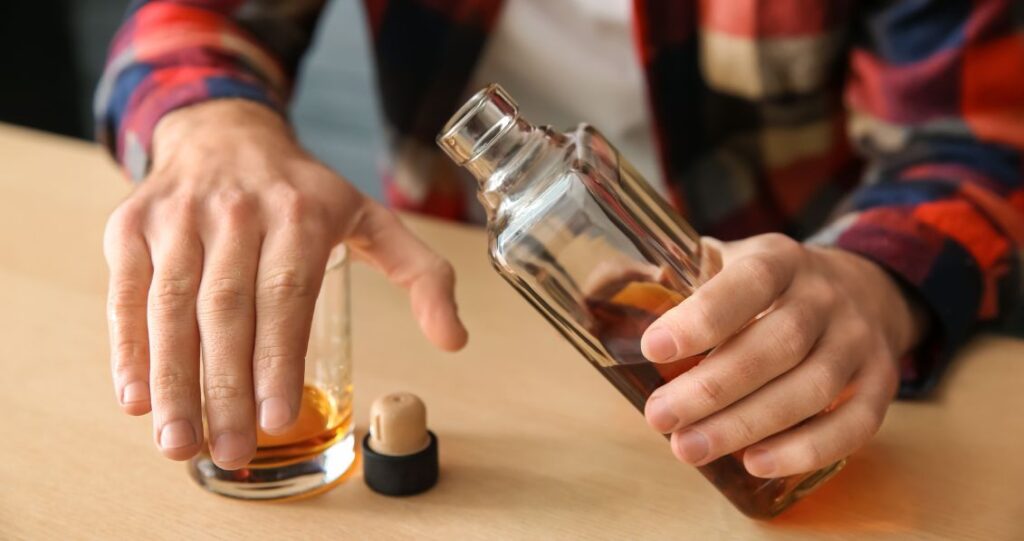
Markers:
(401, 475)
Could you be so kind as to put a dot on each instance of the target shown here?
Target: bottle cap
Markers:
(485, 117)
(399, 453)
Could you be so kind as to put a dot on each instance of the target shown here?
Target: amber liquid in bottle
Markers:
(576, 230)
(621, 315)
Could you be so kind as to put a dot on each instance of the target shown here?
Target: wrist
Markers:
(218, 125)
(909, 315)
(903, 317)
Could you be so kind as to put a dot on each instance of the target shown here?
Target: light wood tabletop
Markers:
(534, 443)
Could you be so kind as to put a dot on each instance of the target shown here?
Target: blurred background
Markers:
(52, 54)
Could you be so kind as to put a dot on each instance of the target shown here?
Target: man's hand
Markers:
(222, 250)
(832, 329)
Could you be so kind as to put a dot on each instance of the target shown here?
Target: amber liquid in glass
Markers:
(622, 312)
(320, 424)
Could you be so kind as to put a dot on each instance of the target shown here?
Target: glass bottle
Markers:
(317, 452)
(580, 234)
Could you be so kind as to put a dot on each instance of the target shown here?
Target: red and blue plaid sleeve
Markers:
(170, 54)
(936, 91)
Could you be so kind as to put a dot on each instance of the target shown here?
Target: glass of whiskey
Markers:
(318, 451)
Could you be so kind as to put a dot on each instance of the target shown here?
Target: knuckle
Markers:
(866, 422)
(824, 292)
(172, 294)
(129, 357)
(708, 392)
(808, 455)
(762, 271)
(825, 384)
(223, 387)
(743, 429)
(802, 316)
(176, 209)
(784, 242)
(444, 271)
(224, 294)
(790, 336)
(703, 324)
(273, 359)
(124, 296)
(233, 204)
(285, 283)
(748, 371)
(891, 377)
(126, 219)
(124, 224)
(438, 270)
(171, 384)
(293, 205)
(857, 331)
(869, 417)
(783, 245)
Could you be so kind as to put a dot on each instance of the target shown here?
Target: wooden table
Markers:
(534, 443)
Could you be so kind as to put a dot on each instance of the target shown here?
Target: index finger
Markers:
(745, 287)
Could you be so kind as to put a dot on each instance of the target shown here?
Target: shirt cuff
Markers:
(939, 272)
(170, 89)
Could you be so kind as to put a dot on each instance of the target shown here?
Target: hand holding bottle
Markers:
(222, 250)
(574, 228)
(830, 327)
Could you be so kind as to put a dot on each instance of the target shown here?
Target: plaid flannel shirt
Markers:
(893, 129)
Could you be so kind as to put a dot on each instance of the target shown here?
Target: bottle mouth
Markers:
(483, 119)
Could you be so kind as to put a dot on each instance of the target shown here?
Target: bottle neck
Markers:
(494, 156)
(515, 164)
(496, 145)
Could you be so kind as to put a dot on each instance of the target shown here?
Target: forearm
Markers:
(942, 205)
(171, 54)
(956, 254)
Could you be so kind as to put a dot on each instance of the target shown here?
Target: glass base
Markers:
(302, 479)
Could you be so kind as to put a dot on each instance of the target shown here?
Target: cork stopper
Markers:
(398, 425)
(399, 454)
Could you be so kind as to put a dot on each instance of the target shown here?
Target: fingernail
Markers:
(693, 446)
(274, 413)
(659, 415)
(657, 345)
(229, 447)
(760, 462)
(136, 391)
(177, 434)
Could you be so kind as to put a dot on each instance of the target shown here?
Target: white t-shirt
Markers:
(572, 61)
